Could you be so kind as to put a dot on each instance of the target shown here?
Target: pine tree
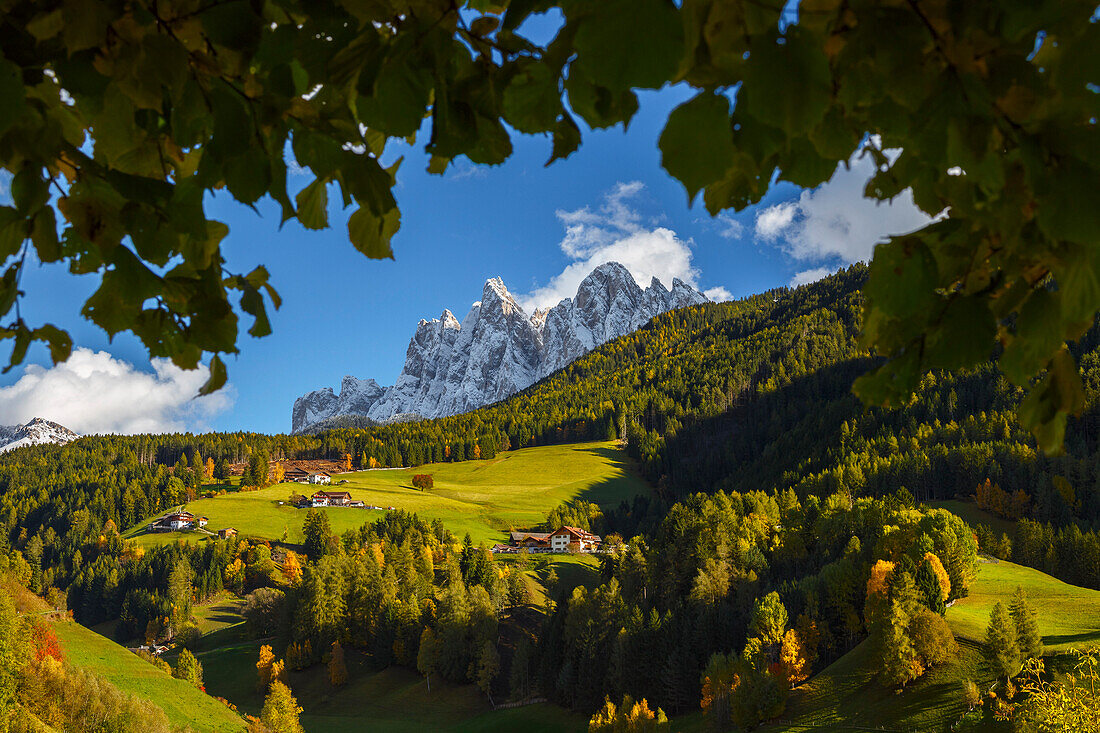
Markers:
(928, 588)
(1002, 648)
(1027, 626)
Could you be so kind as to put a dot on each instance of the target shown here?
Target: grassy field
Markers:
(184, 704)
(1068, 615)
(846, 695)
(484, 498)
(394, 700)
(969, 512)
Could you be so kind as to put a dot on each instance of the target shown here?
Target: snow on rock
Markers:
(35, 432)
(498, 350)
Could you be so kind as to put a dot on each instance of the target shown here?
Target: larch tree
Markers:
(337, 668)
(280, 712)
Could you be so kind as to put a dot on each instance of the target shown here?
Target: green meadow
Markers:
(1069, 616)
(484, 498)
(185, 705)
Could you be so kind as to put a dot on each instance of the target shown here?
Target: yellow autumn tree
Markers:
(880, 573)
(208, 469)
(793, 658)
(263, 668)
(292, 567)
(276, 474)
(941, 574)
(278, 671)
(628, 717)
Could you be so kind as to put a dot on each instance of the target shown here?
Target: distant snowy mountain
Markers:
(36, 432)
(497, 349)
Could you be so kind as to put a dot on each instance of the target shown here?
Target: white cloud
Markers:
(93, 392)
(615, 233)
(718, 294)
(809, 276)
(728, 227)
(834, 223)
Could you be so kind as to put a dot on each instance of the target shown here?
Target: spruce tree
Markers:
(1002, 649)
(928, 587)
(1027, 627)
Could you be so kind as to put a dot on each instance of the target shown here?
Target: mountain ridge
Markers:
(497, 350)
(36, 431)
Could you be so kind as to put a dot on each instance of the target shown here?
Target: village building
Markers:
(564, 539)
(227, 533)
(331, 498)
(295, 474)
(176, 521)
(319, 477)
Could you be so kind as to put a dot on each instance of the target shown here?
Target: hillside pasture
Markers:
(1069, 616)
(485, 498)
(185, 705)
(847, 695)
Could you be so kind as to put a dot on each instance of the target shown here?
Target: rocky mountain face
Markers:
(497, 349)
(35, 432)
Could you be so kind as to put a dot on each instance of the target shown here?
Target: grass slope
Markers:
(184, 705)
(484, 498)
(1069, 616)
(394, 700)
(969, 512)
(847, 694)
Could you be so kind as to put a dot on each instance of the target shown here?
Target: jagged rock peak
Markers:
(497, 349)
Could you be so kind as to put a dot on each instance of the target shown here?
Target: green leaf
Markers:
(964, 335)
(567, 138)
(60, 343)
(29, 190)
(44, 235)
(903, 278)
(248, 176)
(597, 105)
(313, 205)
(231, 23)
(46, 25)
(787, 81)
(12, 92)
(1035, 341)
(396, 100)
(253, 304)
(19, 350)
(697, 142)
(217, 378)
(371, 234)
(13, 231)
(9, 288)
(1045, 409)
(532, 100)
(623, 44)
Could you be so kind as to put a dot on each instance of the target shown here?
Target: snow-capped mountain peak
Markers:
(497, 349)
(36, 432)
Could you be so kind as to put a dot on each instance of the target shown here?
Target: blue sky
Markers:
(345, 314)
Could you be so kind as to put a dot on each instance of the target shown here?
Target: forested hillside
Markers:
(777, 495)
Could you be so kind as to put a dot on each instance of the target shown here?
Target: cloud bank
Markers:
(834, 225)
(616, 232)
(93, 392)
